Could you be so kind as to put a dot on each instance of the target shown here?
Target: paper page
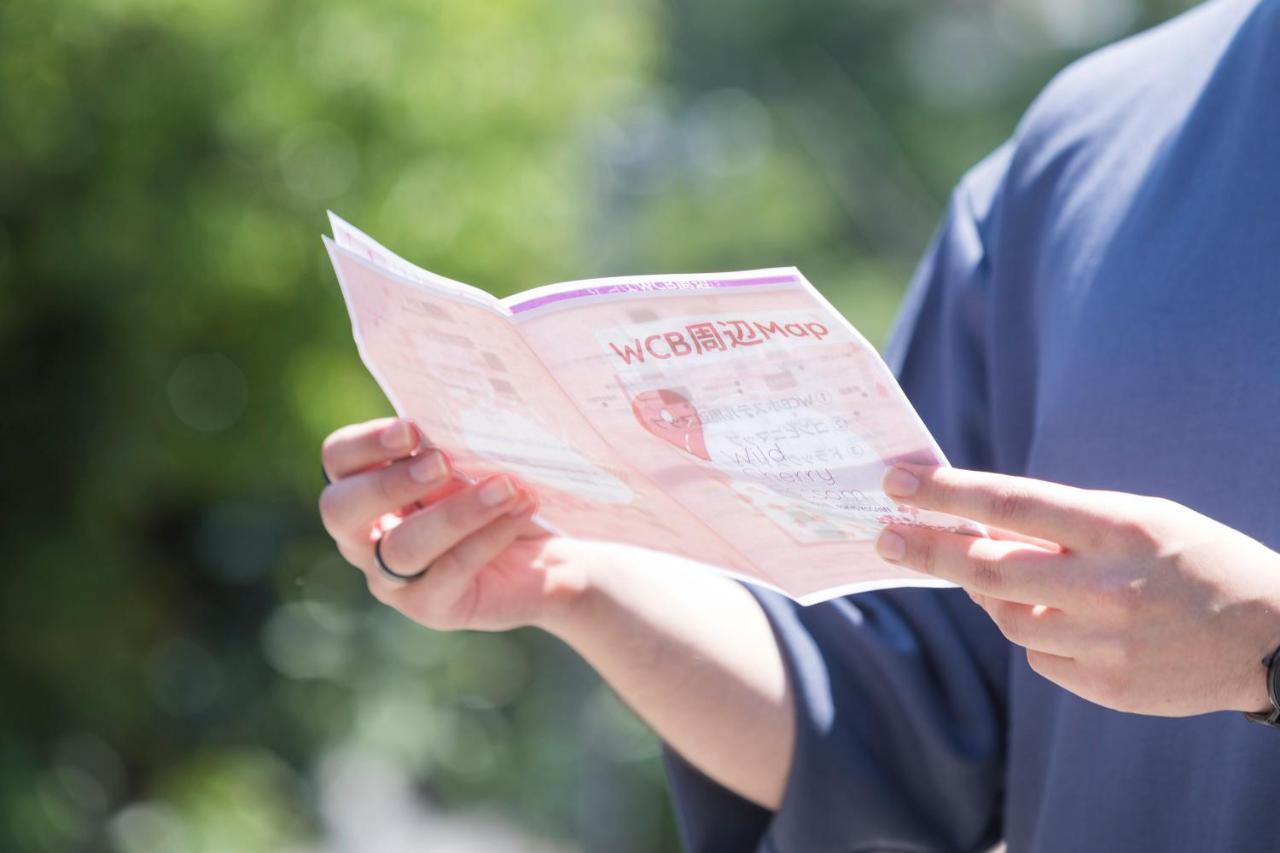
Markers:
(752, 403)
(359, 243)
(448, 357)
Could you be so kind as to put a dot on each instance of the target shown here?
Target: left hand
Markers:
(1136, 603)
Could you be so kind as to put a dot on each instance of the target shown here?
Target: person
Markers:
(1093, 339)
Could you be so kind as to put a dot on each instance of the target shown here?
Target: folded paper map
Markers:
(735, 419)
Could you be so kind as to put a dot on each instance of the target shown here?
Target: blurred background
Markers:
(187, 664)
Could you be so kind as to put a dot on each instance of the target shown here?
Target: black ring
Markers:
(325, 474)
(390, 574)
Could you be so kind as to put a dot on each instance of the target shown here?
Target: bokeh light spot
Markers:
(318, 162)
(183, 677)
(208, 392)
(239, 542)
(308, 639)
(727, 132)
(146, 827)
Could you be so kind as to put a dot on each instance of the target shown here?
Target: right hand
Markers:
(492, 568)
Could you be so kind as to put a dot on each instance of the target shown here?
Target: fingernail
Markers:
(431, 468)
(398, 436)
(496, 492)
(900, 482)
(891, 546)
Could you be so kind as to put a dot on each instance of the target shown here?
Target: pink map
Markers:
(733, 419)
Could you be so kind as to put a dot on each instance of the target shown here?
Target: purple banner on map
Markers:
(671, 285)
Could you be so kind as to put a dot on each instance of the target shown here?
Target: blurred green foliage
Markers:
(187, 664)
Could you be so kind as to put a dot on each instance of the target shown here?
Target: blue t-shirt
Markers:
(1101, 307)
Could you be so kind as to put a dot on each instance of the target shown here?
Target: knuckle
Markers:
(329, 448)
(987, 574)
(329, 505)
(1120, 600)
(1134, 533)
(1007, 504)
(926, 555)
(1131, 595)
(1133, 523)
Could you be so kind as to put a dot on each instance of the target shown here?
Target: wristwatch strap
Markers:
(1272, 717)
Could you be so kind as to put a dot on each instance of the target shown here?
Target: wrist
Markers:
(1257, 697)
(591, 587)
(570, 587)
(1256, 624)
(1253, 692)
(1254, 697)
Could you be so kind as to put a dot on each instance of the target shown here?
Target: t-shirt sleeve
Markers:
(900, 694)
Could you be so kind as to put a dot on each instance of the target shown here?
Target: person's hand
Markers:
(1136, 603)
(491, 568)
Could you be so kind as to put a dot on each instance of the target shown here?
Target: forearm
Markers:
(693, 654)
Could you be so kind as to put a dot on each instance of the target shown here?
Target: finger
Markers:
(358, 447)
(453, 573)
(424, 536)
(360, 556)
(1031, 507)
(1012, 571)
(1034, 626)
(350, 506)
